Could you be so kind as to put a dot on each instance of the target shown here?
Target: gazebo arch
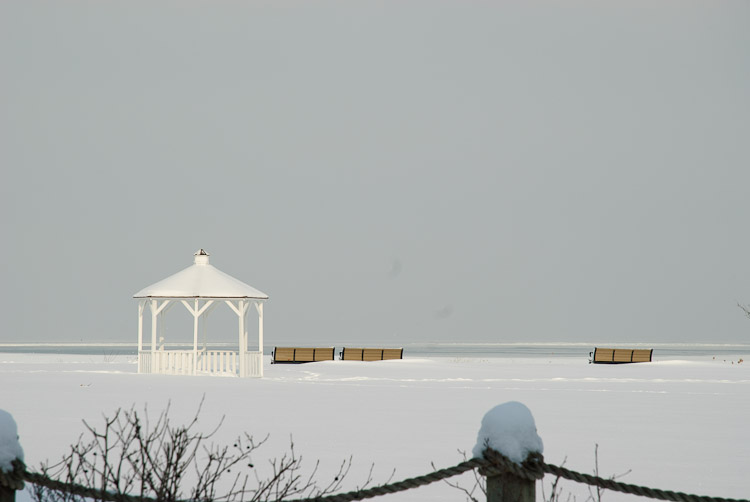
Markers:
(199, 288)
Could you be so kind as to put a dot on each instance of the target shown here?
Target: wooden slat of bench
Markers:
(351, 354)
(623, 356)
(372, 354)
(304, 354)
(603, 355)
(283, 354)
(324, 353)
(642, 355)
(393, 353)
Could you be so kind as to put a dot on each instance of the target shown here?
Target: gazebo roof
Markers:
(200, 280)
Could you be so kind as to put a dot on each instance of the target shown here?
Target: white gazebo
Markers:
(200, 287)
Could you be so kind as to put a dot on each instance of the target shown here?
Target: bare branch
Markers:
(132, 455)
(480, 483)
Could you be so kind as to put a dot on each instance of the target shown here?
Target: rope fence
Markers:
(493, 464)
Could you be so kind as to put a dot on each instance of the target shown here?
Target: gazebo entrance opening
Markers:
(198, 290)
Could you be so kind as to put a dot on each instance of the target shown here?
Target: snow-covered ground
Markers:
(676, 424)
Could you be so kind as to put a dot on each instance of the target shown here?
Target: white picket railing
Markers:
(253, 364)
(209, 362)
(218, 362)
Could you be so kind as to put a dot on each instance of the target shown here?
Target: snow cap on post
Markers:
(509, 428)
(10, 448)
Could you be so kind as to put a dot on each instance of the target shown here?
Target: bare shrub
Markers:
(131, 455)
(478, 486)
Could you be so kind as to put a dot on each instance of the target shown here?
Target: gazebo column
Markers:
(205, 322)
(195, 338)
(154, 319)
(259, 308)
(156, 309)
(197, 311)
(241, 311)
(141, 306)
(161, 338)
(243, 336)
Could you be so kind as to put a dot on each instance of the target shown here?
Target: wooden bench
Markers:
(619, 356)
(363, 354)
(302, 354)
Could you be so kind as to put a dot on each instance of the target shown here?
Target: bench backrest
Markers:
(351, 354)
(303, 354)
(393, 354)
(369, 354)
(602, 355)
(283, 354)
(324, 354)
(622, 356)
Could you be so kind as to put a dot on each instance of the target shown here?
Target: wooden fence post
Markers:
(506, 487)
(7, 494)
(508, 433)
(11, 481)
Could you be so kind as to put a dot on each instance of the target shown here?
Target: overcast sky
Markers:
(387, 172)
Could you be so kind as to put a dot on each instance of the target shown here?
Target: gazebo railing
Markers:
(172, 362)
(144, 362)
(211, 362)
(217, 362)
(253, 365)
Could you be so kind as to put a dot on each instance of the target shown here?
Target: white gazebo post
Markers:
(195, 337)
(156, 309)
(205, 322)
(197, 311)
(201, 281)
(259, 308)
(141, 305)
(241, 310)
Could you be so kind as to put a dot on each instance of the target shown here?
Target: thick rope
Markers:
(83, 491)
(492, 464)
(399, 486)
(531, 469)
(643, 491)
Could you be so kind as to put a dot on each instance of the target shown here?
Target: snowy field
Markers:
(678, 424)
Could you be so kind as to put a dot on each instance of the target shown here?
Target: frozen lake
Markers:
(678, 423)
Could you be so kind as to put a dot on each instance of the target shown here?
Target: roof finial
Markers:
(201, 257)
